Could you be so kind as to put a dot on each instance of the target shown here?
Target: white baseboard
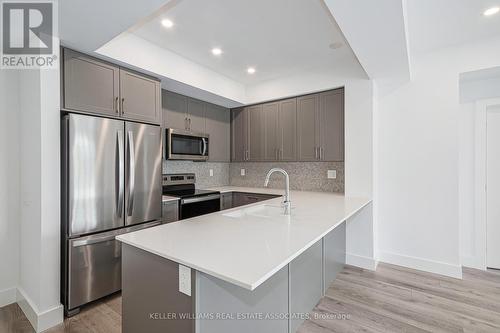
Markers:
(40, 321)
(473, 262)
(361, 262)
(7, 296)
(430, 266)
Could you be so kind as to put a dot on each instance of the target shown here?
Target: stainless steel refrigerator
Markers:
(111, 184)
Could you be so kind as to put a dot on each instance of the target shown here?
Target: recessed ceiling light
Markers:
(167, 23)
(216, 51)
(491, 11)
(250, 70)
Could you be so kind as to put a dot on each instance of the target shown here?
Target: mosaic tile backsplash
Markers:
(305, 176)
(202, 172)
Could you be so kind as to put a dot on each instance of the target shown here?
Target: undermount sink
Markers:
(264, 211)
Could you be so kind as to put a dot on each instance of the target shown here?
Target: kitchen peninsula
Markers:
(247, 269)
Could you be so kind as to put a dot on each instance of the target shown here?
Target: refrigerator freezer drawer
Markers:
(94, 269)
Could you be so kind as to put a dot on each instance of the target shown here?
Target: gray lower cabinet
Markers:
(237, 199)
(89, 84)
(217, 123)
(239, 134)
(170, 211)
(174, 108)
(140, 97)
(305, 282)
(226, 200)
(242, 198)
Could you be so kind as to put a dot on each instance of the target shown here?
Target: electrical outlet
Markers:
(242, 172)
(211, 172)
(332, 174)
(185, 280)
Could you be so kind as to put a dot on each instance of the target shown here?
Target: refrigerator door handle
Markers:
(131, 172)
(119, 164)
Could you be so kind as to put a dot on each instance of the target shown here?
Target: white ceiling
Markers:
(435, 24)
(279, 37)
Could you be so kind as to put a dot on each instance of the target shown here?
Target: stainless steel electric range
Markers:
(193, 202)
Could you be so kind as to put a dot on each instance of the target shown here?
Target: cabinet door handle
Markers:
(321, 153)
(189, 123)
(316, 152)
(123, 103)
(186, 123)
(117, 106)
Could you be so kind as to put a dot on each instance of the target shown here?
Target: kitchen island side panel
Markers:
(334, 255)
(217, 297)
(151, 301)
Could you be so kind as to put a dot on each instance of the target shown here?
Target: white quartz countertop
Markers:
(241, 247)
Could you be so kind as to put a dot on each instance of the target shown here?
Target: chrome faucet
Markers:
(286, 202)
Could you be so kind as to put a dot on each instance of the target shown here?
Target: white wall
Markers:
(466, 156)
(38, 285)
(9, 185)
(417, 177)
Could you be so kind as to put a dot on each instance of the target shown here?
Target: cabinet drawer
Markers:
(242, 198)
(170, 211)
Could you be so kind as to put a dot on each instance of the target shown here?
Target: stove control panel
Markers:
(179, 179)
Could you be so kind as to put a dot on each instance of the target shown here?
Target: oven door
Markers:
(184, 145)
(197, 206)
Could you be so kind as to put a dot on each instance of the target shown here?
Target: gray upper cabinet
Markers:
(287, 130)
(140, 97)
(331, 125)
(271, 135)
(196, 116)
(174, 110)
(307, 128)
(182, 112)
(90, 85)
(217, 123)
(255, 133)
(95, 86)
(239, 134)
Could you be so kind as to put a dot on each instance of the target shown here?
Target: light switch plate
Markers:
(332, 174)
(185, 280)
(242, 172)
(211, 172)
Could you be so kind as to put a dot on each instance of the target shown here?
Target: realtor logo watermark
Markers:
(29, 31)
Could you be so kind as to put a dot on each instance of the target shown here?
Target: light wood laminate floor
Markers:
(392, 299)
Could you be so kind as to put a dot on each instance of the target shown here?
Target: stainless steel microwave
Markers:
(185, 145)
